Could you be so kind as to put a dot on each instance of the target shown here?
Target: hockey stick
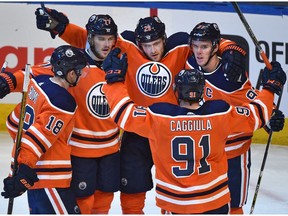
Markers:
(4, 66)
(264, 161)
(43, 8)
(259, 80)
(251, 34)
(269, 66)
(46, 14)
(20, 128)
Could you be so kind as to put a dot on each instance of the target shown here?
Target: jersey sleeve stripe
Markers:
(11, 128)
(32, 146)
(10, 121)
(264, 107)
(42, 137)
(36, 141)
(244, 138)
(261, 114)
(119, 113)
(117, 107)
(256, 125)
(126, 115)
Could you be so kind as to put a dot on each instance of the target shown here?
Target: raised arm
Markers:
(57, 23)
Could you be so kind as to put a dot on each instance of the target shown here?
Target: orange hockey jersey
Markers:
(147, 81)
(48, 123)
(188, 145)
(217, 87)
(94, 134)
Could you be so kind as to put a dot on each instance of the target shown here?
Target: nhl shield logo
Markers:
(153, 79)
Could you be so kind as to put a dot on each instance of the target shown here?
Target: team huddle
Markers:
(110, 105)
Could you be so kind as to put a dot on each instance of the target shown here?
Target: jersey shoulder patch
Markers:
(57, 95)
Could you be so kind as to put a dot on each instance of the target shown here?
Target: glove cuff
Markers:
(234, 47)
(28, 172)
(274, 85)
(58, 30)
(10, 79)
(273, 88)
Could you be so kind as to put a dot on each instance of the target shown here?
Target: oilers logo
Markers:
(153, 79)
(97, 102)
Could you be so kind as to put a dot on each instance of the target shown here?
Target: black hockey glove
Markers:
(115, 67)
(7, 83)
(18, 184)
(233, 60)
(276, 122)
(51, 20)
(274, 79)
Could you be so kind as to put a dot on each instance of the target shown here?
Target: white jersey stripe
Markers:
(56, 201)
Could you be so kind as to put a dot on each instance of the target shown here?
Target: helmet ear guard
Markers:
(59, 73)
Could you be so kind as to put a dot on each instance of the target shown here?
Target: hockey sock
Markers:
(132, 203)
(86, 204)
(236, 210)
(102, 202)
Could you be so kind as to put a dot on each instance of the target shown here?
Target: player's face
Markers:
(154, 50)
(202, 51)
(103, 45)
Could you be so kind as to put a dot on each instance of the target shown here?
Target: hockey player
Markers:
(95, 138)
(44, 156)
(154, 61)
(235, 88)
(187, 144)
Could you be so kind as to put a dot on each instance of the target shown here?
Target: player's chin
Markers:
(201, 62)
(155, 58)
(105, 53)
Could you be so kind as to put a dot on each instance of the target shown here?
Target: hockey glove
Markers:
(274, 79)
(233, 60)
(7, 83)
(115, 67)
(18, 184)
(51, 20)
(276, 122)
